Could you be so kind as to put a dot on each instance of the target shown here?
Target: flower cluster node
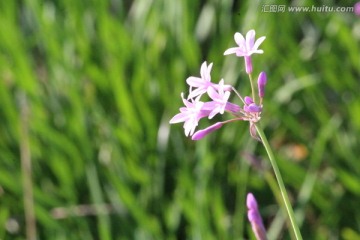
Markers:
(218, 94)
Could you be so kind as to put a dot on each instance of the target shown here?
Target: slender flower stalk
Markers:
(252, 86)
(283, 191)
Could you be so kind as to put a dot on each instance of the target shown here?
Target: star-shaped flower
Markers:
(190, 114)
(246, 46)
(219, 100)
(201, 84)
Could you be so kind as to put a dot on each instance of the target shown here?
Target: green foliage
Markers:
(88, 88)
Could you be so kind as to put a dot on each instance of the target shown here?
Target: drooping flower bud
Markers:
(262, 79)
(202, 133)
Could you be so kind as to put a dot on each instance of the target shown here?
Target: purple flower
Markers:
(201, 84)
(246, 47)
(190, 115)
(202, 133)
(220, 99)
(255, 217)
(219, 95)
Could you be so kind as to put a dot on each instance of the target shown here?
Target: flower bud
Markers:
(252, 108)
(262, 79)
(248, 100)
(255, 217)
(202, 133)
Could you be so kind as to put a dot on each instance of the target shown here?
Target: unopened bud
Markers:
(255, 218)
(202, 133)
(262, 79)
(252, 108)
(248, 100)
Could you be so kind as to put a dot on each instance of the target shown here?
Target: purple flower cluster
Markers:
(218, 94)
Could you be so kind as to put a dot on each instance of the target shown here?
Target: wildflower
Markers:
(203, 83)
(219, 95)
(190, 115)
(255, 217)
(246, 47)
(220, 99)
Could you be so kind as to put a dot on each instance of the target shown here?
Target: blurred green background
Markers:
(87, 89)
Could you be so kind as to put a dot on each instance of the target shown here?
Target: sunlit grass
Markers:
(102, 79)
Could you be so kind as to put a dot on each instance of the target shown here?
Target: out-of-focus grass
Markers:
(102, 79)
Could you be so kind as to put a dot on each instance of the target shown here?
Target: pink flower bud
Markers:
(251, 201)
(255, 217)
(252, 108)
(248, 100)
(202, 133)
(262, 79)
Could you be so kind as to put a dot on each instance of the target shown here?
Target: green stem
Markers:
(252, 87)
(283, 191)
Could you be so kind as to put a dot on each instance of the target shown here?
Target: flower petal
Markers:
(239, 39)
(258, 42)
(250, 38)
(194, 81)
(231, 51)
(180, 117)
(203, 69)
